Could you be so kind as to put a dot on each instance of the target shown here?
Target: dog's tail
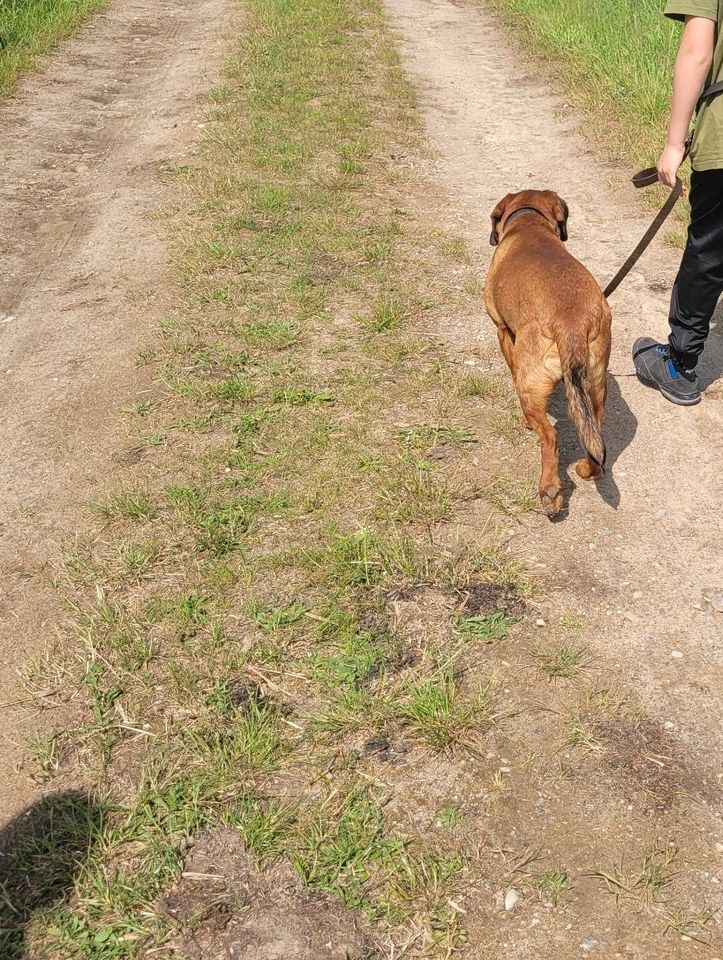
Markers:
(579, 402)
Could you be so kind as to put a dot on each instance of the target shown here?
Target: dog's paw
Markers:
(587, 470)
(551, 498)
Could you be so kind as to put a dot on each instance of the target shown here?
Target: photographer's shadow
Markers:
(41, 852)
(620, 428)
(710, 369)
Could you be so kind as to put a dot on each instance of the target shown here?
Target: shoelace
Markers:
(676, 368)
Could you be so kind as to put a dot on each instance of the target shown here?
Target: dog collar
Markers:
(519, 212)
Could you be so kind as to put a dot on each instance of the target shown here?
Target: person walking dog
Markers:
(671, 366)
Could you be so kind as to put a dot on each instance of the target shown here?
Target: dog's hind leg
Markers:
(507, 345)
(534, 393)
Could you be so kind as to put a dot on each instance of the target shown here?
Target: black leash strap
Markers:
(646, 178)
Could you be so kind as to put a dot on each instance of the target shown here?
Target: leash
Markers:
(646, 178)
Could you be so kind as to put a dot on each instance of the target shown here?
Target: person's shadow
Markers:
(710, 368)
(620, 427)
(41, 851)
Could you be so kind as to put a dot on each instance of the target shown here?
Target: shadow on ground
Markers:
(620, 427)
(41, 852)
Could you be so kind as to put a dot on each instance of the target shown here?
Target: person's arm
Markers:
(691, 71)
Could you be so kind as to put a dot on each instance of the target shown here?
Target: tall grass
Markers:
(614, 58)
(28, 29)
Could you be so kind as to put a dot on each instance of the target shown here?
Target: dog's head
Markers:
(545, 202)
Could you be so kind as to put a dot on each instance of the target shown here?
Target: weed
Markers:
(481, 387)
(486, 627)
(563, 661)
(387, 314)
(552, 885)
(513, 496)
(435, 710)
(449, 818)
(132, 505)
(693, 925)
(272, 334)
(302, 397)
(139, 558)
(43, 752)
(436, 435)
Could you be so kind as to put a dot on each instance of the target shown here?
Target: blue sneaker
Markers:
(655, 366)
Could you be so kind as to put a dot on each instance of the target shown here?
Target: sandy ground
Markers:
(639, 552)
(82, 276)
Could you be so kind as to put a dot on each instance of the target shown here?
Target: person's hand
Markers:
(669, 164)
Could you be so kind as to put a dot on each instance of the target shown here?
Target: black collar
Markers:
(520, 211)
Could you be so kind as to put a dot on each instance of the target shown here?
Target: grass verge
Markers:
(233, 649)
(28, 29)
(615, 61)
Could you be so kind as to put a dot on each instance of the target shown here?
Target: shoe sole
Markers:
(668, 396)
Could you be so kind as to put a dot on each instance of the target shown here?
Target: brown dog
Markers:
(553, 324)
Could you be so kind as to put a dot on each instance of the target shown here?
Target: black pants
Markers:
(700, 279)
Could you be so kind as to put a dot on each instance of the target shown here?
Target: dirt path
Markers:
(82, 279)
(637, 554)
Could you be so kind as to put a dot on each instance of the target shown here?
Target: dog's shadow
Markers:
(620, 427)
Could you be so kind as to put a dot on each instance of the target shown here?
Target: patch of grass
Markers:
(649, 881)
(386, 314)
(449, 818)
(28, 29)
(139, 558)
(692, 924)
(552, 885)
(485, 628)
(513, 496)
(272, 334)
(273, 619)
(436, 435)
(132, 505)
(440, 714)
(481, 387)
(563, 661)
(571, 620)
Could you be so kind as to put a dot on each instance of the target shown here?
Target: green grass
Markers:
(562, 661)
(229, 631)
(614, 58)
(28, 29)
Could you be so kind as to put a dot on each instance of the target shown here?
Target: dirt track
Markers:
(639, 552)
(82, 274)
(83, 279)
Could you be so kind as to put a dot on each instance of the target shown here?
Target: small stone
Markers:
(540, 622)
(589, 944)
(637, 594)
(511, 898)
(669, 725)
(677, 654)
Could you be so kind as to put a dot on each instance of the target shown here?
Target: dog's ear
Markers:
(497, 214)
(561, 213)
